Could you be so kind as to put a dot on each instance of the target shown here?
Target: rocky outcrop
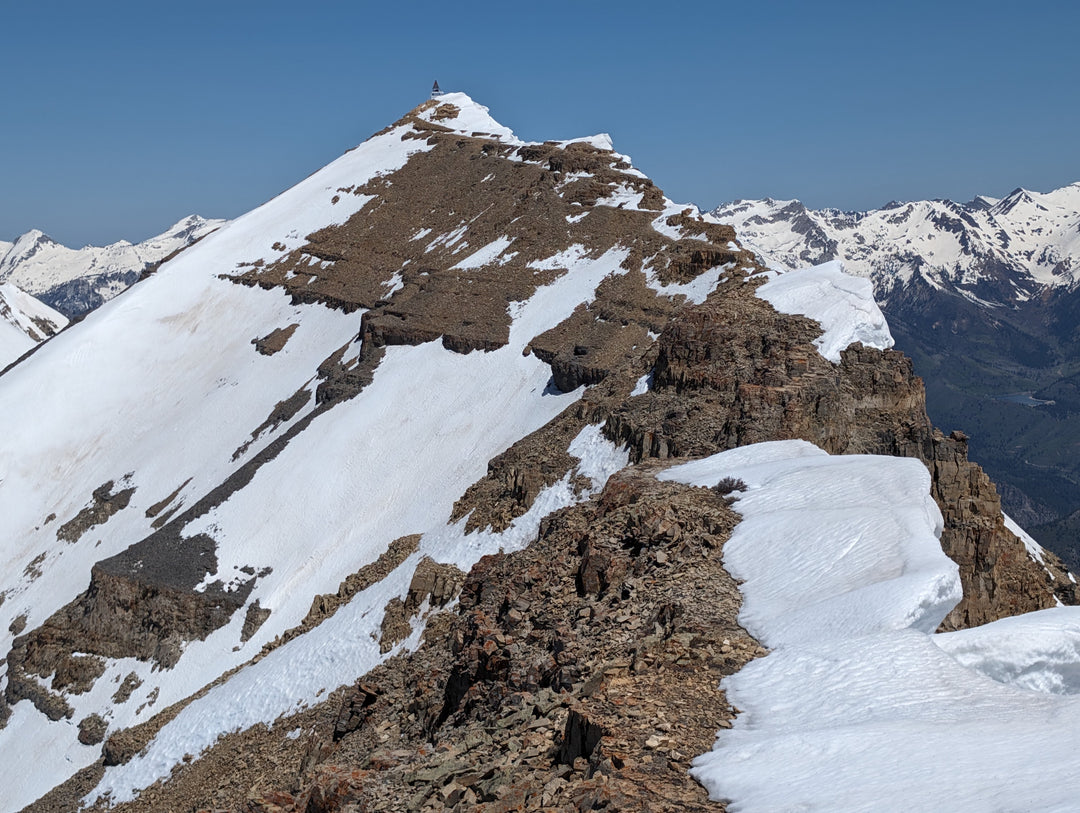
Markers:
(138, 606)
(733, 371)
(103, 504)
(542, 688)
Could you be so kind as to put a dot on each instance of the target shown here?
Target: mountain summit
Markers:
(360, 500)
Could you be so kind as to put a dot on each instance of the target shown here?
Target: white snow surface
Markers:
(859, 706)
(843, 304)
(23, 322)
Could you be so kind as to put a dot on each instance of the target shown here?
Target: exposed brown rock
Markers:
(432, 583)
(92, 729)
(130, 683)
(104, 503)
(407, 235)
(158, 507)
(733, 371)
(254, 618)
(275, 341)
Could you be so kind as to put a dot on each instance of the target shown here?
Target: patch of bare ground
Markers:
(275, 341)
(104, 502)
(160, 506)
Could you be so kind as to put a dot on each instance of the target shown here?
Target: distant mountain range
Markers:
(983, 296)
(75, 281)
(993, 252)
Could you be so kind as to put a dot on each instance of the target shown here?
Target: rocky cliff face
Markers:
(536, 635)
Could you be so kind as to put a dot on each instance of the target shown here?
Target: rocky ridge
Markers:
(619, 598)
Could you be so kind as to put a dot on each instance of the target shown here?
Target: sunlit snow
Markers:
(843, 304)
(859, 706)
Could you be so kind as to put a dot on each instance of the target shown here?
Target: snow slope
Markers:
(43, 267)
(161, 391)
(24, 321)
(859, 705)
(995, 251)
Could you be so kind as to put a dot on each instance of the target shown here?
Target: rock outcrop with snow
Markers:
(372, 467)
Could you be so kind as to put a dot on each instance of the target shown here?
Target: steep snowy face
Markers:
(75, 281)
(310, 391)
(989, 250)
(24, 321)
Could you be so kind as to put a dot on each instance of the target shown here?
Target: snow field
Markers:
(859, 706)
(843, 304)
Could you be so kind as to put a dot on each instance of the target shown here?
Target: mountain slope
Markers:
(24, 321)
(277, 462)
(982, 295)
(245, 470)
(75, 281)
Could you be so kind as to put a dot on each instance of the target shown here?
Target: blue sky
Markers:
(119, 118)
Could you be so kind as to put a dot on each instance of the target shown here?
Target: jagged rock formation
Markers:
(733, 371)
(352, 354)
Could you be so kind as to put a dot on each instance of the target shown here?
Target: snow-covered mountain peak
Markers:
(27, 244)
(364, 342)
(75, 281)
(995, 251)
(458, 112)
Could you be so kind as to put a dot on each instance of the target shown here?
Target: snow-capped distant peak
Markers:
(995, 250)
(75, 281)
